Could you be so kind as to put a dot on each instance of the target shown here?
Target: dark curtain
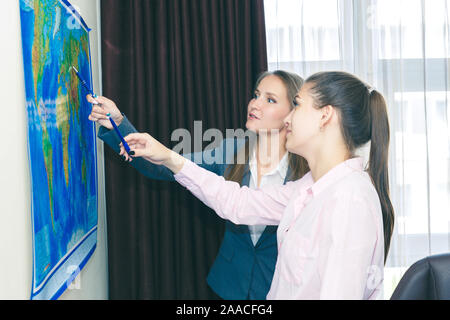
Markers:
(166, 64)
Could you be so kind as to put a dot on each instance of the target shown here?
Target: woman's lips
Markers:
(252, 116)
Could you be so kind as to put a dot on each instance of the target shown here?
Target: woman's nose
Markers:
(257, 102)
(252, 105)
(287, 120)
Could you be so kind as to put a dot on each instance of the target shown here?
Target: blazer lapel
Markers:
(288, 175)
(246, 178)
(246, 183)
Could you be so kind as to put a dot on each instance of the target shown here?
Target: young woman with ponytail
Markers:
(335, 224)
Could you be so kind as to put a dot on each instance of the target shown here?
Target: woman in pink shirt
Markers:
(335, 224)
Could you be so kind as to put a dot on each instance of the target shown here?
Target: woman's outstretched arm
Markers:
(102, 106)
(240, 205)
(228, 199)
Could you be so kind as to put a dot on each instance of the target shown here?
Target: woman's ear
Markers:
(327, 116)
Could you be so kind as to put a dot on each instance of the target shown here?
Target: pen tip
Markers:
(108, 115)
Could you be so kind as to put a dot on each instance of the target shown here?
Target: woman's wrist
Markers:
(119, 119)
(174, 162)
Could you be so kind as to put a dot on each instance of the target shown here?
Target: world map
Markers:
(62, 142)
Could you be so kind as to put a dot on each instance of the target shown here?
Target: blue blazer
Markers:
(241, 270)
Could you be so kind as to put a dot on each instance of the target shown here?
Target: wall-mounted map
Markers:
(62, 144)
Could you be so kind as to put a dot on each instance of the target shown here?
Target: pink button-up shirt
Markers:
(330, 234)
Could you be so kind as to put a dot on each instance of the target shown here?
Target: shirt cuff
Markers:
(186, 176)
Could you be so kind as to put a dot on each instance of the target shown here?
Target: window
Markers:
(401, 47)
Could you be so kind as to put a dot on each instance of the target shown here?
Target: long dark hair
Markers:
(364, 118)
(297, 164)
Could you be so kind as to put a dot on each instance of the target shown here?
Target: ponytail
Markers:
(378, 162)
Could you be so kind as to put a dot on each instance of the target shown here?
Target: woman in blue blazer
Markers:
(246, 261)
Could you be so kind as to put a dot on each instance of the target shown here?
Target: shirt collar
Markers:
(281, 169)
(336, 174)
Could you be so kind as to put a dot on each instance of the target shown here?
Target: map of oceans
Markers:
(62, 143)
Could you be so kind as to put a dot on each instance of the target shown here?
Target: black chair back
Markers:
(427, 279)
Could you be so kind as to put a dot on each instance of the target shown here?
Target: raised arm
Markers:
(146, 168)
(102, 106)
(240, 205)
(228, 199)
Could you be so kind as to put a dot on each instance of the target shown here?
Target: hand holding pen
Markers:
(99, 112)
(142, 144)
(102, 112)
(145, 146)
(101, 106)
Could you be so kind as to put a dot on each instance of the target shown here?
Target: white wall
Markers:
(15, 224)
(15, 196)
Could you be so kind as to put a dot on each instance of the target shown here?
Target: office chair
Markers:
(427, 279)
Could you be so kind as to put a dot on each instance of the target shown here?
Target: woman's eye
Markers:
(255, 96)
(271, 100)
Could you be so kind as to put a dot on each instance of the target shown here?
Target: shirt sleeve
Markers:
(208, 159)
(110, 136)
(354, 237)
(231, 202)
(148, 169)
